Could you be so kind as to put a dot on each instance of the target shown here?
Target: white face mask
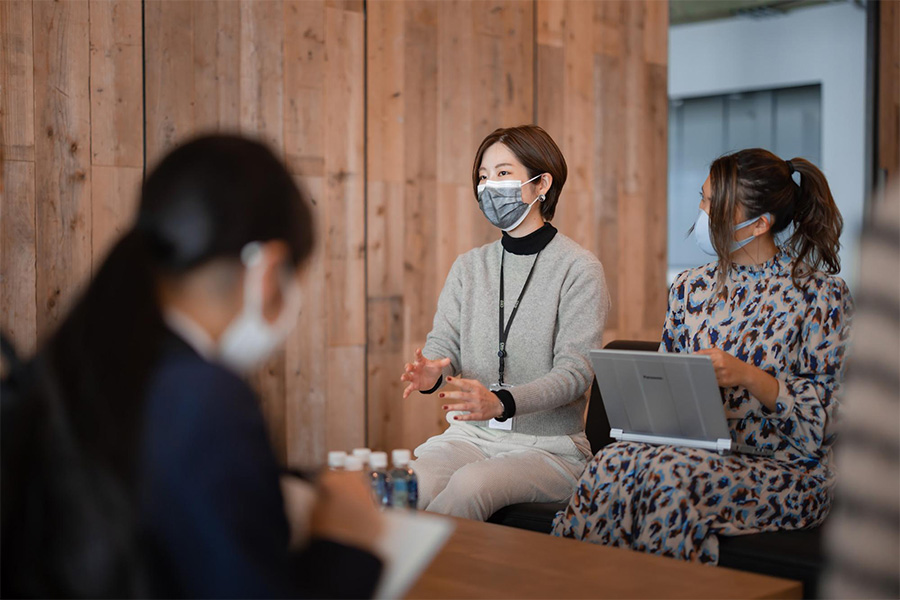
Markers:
(703, 236)
(250, 339)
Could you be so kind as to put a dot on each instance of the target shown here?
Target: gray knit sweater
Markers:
(560, 319)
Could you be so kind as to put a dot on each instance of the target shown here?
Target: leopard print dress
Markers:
(673, 501)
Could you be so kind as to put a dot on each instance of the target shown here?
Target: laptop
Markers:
(660, 398)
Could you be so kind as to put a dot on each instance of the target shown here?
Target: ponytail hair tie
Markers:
(790, 166)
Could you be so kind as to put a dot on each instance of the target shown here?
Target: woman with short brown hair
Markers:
(514, 325)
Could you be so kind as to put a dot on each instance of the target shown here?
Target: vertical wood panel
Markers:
(602, 96)
(17, 257)
(441, 77)
(18, 317)
(306, 368)
(17, 77)
(262, 73)
(117, 137)
(889, 93)
(291, 74)
(117, 111)
(217, 65)
(343, 225)
(168, 75)
(114, 197)
(62, 157)
(261, 116)
(304, 83)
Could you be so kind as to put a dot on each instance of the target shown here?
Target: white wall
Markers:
(824, 44)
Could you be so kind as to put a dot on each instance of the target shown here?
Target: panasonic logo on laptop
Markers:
(652, 377)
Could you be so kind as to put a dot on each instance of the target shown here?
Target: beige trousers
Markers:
(471, 472)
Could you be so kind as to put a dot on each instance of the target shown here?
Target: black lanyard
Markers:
(504, 332)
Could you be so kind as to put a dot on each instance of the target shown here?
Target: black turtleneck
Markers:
(532, 243)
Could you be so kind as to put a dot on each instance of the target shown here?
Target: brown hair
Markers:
(535, 149)
(760, 182)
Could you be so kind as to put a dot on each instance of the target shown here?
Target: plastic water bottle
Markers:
(336, 460)
(353, 463)
(379, 478)
(363, 454)
(404, 483)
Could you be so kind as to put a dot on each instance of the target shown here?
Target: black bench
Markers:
(790, 554)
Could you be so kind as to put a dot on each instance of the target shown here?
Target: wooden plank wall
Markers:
(888, 113)
(377, 108)
(602, 70)
(441, 77)
(444, 75)
(291, 74)
(72, 141)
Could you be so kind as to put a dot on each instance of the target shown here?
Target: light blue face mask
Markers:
(704, 239)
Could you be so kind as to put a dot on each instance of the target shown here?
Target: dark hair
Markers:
(537, 151)
(760, 182)
(206, 200)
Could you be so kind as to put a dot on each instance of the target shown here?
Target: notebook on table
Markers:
(660, 398)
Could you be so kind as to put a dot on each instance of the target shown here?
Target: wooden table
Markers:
(483, 560)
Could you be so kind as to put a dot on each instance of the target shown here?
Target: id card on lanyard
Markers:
(504, 334)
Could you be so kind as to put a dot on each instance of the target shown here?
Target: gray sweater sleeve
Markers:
(581, 318)
(443, 340)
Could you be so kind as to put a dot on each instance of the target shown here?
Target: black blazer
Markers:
(211, 508)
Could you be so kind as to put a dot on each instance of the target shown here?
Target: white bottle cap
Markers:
(401, 457)
(362, 454)
(378, 460)
(336, 459)
(353, 463)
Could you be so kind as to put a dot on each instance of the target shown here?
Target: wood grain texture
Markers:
(62, 157)
(261, 93)
(117, 91)
(168, 75)
(292, 75)
(343, 226)
(889, 93)
(550, 567)
(306, 364)
(602, 95)
(17, 77)
(377, 109)
(18, 317)
(441, 77)
(216, 66)
(114, 196)
(304, 85)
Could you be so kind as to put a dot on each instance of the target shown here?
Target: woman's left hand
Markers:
(471, 395)
(730, 371)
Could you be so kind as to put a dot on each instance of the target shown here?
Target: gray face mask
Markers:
(501, 202)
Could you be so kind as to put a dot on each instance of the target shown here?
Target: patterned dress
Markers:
(672, 500)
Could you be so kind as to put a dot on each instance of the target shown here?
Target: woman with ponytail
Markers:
(775, 323)
(143, 465)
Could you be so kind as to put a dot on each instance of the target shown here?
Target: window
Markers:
(786, 121)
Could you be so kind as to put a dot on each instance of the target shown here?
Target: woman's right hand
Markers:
(422, 374)
(345, 512)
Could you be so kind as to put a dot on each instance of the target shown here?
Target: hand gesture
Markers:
(730, 371)
(422, 374)
(472, 396)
